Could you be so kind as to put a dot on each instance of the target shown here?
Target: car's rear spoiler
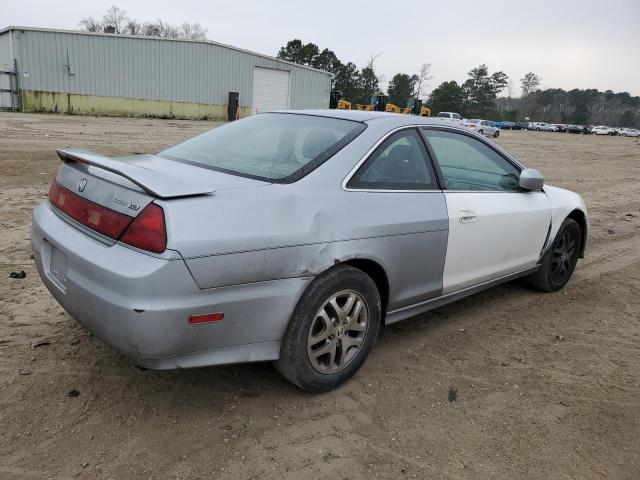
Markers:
(157, 183)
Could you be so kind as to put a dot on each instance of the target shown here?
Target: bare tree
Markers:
(90, 24)
(160, 29)
(133, 27)
(423, 78)
(530, 83)
(114, 20)
(372, 60)
(192, 31)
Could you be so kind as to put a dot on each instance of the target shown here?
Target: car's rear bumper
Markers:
(140, 304)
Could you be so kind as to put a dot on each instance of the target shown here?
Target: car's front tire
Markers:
(332, 330)
(496, 134)
(558, 263)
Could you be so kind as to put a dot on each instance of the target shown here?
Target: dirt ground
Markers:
(548, 384)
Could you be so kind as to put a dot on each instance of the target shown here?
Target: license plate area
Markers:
(58, 268)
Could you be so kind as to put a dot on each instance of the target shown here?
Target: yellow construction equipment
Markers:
(344, 105)
(390, 107)
(379, 104)
(415, 107)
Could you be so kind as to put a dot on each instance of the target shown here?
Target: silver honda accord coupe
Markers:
(292, 236)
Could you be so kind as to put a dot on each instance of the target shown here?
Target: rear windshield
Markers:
(277, 147)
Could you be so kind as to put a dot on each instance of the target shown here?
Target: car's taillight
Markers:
(147, 231)
(89, 214)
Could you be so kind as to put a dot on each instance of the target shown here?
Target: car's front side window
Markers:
(400, 163)
(469, 164)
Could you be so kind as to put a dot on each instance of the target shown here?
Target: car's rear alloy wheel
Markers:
(558, 263)
(337, 331)
(332, 330)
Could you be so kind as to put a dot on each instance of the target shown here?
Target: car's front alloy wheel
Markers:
(332, 330)
(558, 263)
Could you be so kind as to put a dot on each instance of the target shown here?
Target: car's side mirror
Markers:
(531, 179)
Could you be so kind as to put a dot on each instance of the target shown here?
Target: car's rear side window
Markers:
(400, 163)
(277, 147)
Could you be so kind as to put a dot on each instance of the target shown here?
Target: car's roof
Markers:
(364, 116)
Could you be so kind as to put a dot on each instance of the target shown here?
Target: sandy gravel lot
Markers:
(549, 385)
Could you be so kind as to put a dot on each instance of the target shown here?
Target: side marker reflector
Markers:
(209, 317)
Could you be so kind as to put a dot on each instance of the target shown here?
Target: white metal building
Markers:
(93, 73)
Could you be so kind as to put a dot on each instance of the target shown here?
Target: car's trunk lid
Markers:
(92, 183)
(158, 176)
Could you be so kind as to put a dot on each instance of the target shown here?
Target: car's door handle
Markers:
(467, 216)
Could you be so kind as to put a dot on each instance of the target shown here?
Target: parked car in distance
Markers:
(603, 130)
(454, 118)
(545, 127)
(574, 129)
(508, 125)
(522, 125)
(560, 127)
(483, 127)
(630, 132)
(198, 256)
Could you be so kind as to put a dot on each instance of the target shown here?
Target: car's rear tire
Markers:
(558, 263)
(480, 132)
(497, 134)
(332, 330)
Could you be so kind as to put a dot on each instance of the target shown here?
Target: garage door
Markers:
(270, 89)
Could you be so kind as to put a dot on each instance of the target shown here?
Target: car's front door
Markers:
(495, 228)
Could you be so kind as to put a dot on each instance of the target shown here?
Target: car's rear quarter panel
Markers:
(302, 229)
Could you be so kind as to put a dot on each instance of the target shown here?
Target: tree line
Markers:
(116, 21)
(477, 96)
(357, 85)
(581, 107)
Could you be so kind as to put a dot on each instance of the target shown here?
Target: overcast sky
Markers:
(576, 44)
